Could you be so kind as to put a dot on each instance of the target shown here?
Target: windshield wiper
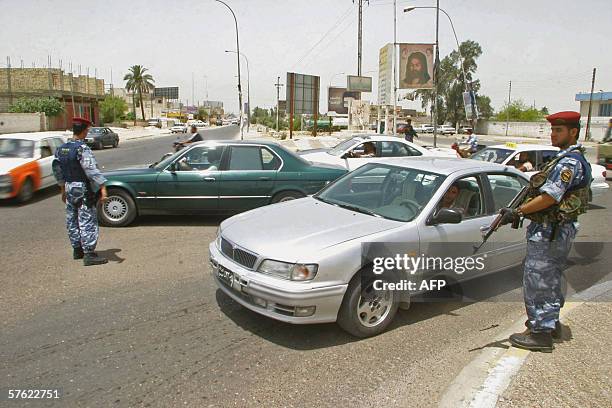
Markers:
(357, 209)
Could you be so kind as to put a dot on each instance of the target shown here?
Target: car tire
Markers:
(286, 196)
(377, 313)
(26, 192)
(116, 143)
(99, 145)
(118, 210)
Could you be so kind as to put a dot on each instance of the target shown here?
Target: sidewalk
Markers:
(135, 133)
(576, 374)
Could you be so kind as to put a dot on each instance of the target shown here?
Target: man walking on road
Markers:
(79, 178)
(557, 196)
(409, 132)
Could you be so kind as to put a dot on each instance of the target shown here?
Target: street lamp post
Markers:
(467, 85)
(248, 89)
(238, 62)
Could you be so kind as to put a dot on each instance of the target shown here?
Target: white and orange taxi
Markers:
(25, 163)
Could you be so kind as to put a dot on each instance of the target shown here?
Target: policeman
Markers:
(79, 178)
(556, 197)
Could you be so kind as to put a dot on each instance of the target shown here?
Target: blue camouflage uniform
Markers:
(76, 167)
(548, 246)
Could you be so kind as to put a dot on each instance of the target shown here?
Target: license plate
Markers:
(225, 275)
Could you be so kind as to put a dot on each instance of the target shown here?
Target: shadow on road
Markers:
(39, 195)
(111, 255)
(177, 221)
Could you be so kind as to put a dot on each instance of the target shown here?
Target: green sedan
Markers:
(213, 177)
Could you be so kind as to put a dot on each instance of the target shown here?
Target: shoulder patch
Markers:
(566, 175)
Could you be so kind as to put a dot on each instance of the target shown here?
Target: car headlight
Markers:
(285, 270)
(6, 179)
(218, 237)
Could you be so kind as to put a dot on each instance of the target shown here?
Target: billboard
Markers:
(282, 106)
(302, 94)
(337, 99)
(385, 75)
(168, 92)
(360, 114)
(416, 66)
(359, 83)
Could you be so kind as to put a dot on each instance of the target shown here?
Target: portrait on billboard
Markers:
(416, 66)
(337, 99)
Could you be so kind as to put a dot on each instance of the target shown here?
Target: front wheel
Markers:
(365, 311)
(118, 210)
(26, 192)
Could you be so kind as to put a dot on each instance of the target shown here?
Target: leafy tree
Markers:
(137, 81)
(203, 113)
(452, 84)
(517, 111)
(50, 106)
(544, 111)
(113, 107)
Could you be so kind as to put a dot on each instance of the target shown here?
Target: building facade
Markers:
(601, 112)
(80, 94)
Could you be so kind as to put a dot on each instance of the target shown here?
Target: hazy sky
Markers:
(547, 48)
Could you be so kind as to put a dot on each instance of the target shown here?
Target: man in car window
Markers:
(523, 164)
(449, 198)
(369, 150)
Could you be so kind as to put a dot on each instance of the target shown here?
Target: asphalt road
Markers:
(151, 329)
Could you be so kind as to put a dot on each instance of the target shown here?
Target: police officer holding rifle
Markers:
(556, 196)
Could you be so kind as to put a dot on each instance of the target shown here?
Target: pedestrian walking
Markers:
(557, 196)
(79, 178)
(409, 132)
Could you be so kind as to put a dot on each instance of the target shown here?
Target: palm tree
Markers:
(138, 81)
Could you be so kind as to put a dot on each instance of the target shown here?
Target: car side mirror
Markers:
(447, 216)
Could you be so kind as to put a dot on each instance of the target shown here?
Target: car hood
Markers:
(274, 231)
(131, 171)
(9, 163)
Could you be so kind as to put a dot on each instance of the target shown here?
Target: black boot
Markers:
(533, 341)
(556, 333)
(77, 253)
(92, 258)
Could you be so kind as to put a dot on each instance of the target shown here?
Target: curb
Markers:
(486, 377)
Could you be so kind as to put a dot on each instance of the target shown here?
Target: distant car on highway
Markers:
(25, 163)
(424, 129)
(446, 130)
(200, 123)
(347, 152)
(306, 261)
(538, 155)
(99, 137)
(213, 177)
(179, 128)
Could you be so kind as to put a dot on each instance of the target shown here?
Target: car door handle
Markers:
(264, 179)
(209, 179)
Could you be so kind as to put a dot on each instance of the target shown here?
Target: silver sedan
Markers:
(303, 261)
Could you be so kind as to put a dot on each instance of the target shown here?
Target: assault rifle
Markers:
(516, 201)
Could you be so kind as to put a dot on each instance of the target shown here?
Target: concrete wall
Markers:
(519, 129)
(22, 122)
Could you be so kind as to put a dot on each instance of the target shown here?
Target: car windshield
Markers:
(382, 190)
(338, 149)
(21, 148)
(95, 130)
(160, 165)
(492, 154)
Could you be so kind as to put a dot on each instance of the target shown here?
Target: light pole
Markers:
(248, 88)
(238, 62)
(465, 82)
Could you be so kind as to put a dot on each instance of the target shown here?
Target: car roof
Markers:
(520, 147)
(34, 136)
(245, 142)
(445, 165)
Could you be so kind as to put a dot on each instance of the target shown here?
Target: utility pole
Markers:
(588, 125)
(436, 79)
(508, 108)
(278, 86)
(192, 88)
(359, 35)
(395, 69)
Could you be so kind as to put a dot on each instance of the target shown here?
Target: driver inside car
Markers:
(369, 150)
(449, 200)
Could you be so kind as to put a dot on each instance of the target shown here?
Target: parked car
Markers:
(213, 177)
(154, 122)
(346, 152)
(200, 123)
(464, 130)
(446, 130)
(539, 155)
(179, 128)
(99, 137)
(25, 163)
(424, 128)
(302, 261)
